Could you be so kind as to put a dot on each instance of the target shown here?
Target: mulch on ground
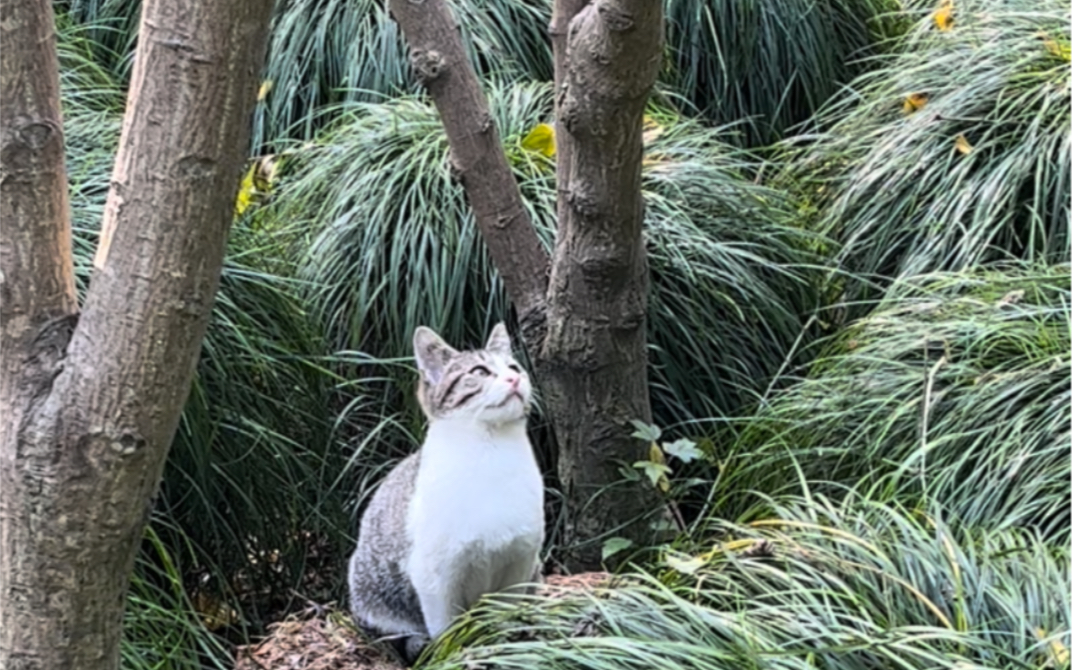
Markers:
(320, 638)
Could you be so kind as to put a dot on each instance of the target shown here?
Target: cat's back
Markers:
(382, 598)
(382, 533)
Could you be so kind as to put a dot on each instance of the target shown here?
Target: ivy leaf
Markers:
(656, 472)
(615, 545)
(646, 431)
(683, 449)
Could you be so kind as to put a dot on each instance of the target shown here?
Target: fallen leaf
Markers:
(963, 145)
(915, 102)
(265, 89)
(943, 16)
(686, 565)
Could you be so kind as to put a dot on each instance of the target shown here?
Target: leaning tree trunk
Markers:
(585, 324)
(91, 403)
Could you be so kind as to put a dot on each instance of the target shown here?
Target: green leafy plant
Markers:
(162, 629)
(327, 54)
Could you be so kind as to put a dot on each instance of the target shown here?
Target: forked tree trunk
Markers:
(90, 409)
(585, 324)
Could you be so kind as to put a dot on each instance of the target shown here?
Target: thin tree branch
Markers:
(440, 63)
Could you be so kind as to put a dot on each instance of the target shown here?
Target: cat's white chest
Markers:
(476, 491)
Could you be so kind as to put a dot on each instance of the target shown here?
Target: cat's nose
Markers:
(513, 381)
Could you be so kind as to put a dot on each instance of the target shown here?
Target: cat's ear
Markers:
(499, 340)
(432, 354)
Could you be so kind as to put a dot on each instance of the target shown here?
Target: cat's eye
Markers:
(480, 370)
(515, 368)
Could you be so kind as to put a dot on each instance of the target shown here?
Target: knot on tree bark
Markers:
(583, 202)
(37, 134)
(614, 17)
(47, 351)
(427, 64)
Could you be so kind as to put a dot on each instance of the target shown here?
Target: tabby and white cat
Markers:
(461, 517)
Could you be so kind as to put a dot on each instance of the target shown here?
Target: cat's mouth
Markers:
(509, 397)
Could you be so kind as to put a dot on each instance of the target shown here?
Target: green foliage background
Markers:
(864, 328)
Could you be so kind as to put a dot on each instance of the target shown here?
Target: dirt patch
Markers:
(321, 638)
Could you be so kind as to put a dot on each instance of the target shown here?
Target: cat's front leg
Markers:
(523, 571)
(438, 609)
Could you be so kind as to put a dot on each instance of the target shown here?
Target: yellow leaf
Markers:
(686, 565)
(652, 130)
(266, 88)
(540, 139)
(963, 145)
(943, 16)
(214, 612)
(258, 182)
(1056, 48)
(1058, 650)
(915, 102)
(655, 455)
(246, 191)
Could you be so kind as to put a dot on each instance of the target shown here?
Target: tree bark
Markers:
(34, 209)
(590, 343)
(594, 358)
(562, 13)
(80, 467)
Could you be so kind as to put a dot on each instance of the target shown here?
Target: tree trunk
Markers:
(33, 206)
(593, 364)
(96, 415)
(586, 328)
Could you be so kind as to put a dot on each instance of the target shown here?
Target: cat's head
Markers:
(486, 385)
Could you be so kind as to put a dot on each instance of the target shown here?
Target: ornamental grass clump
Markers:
(954, 150)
